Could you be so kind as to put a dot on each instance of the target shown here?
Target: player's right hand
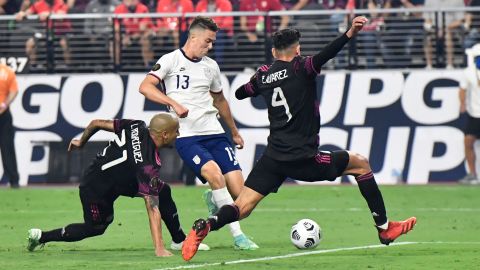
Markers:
(181, 111)
(74, 144)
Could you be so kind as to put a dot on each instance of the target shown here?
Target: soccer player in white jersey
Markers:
(193, 90)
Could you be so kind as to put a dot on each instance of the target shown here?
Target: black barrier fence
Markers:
(65, 167)
(394, 38)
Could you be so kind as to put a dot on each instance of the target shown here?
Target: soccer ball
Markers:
(306, 233)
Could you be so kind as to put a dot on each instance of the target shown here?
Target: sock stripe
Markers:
(364, 177)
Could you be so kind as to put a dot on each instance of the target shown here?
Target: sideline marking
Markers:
(191, 266)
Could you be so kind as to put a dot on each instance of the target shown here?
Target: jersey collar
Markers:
(192, 60)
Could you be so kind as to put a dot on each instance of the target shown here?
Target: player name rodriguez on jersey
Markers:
(189, 82)
(136, 144)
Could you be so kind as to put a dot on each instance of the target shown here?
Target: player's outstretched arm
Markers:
(90, 130)
(334, 47)
(149, 89)
(155, 220)
(221, 104)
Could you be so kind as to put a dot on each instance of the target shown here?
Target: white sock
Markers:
(221, 197)
(384, 226)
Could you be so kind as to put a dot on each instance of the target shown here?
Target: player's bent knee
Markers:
(358, 164)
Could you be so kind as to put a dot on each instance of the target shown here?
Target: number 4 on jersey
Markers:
(278, 99)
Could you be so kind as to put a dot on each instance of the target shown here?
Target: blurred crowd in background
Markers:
(406, 39)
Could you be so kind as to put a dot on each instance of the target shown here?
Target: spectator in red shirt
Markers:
(134, 29)
(170, 26)
(252, 26)
(253, 30)
(225, 24)
(44, 8)
(295, 4)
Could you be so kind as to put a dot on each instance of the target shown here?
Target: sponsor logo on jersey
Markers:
(182, 69)
(279, 75)
(136, 144)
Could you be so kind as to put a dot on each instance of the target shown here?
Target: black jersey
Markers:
(289, 90)
(128, 165)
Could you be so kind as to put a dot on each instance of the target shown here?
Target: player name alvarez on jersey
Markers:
(276, 76)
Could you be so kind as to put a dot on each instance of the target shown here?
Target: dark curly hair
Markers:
(285, 38)
(204, 23)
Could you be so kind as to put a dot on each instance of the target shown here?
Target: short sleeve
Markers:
(216, 85)
(163, 66)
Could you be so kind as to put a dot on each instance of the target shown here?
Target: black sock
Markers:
(71, 233)
(168, 210)
(226, 214)
(369, 189)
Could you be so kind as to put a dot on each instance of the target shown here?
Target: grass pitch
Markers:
(445, 237)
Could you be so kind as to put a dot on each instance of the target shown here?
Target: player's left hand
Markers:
(357, 25)
(74, 144)
(238, 140)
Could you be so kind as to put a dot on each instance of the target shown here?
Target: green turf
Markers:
(448, 214)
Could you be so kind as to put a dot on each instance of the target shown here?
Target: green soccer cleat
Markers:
(243, 243)
(33, 238)
(208, 198)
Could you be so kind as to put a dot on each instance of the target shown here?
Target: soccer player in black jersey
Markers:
(127, 166)
(288, 87)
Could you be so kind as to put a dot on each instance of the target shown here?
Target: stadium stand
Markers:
(396, 38)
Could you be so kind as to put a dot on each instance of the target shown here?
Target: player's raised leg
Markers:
(359, 167)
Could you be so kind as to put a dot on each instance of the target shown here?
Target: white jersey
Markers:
(189, 83)
(471, 84)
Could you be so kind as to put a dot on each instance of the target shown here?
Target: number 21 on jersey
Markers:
(120, 142)
(278, 99)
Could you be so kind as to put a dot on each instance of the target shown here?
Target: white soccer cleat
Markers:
(178, 246)
(33, 238)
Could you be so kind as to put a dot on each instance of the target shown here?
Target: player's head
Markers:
(201, 35)
(286, 43)
(164, 129)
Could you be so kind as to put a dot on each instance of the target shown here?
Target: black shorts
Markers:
(268, 174)
(473, 126)
(96, 211)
